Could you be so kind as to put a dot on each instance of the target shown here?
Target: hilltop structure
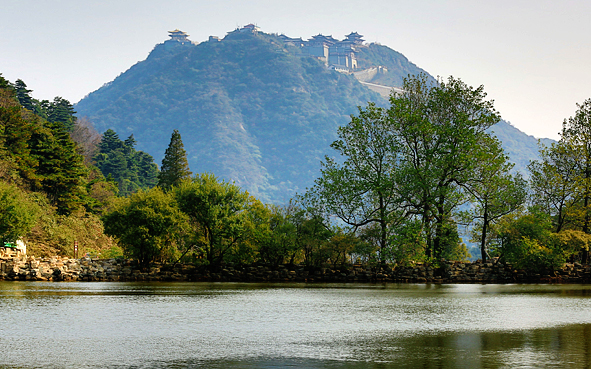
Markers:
(177, 38)
(339, 55)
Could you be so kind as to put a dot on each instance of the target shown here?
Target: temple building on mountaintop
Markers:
(340, 55)
(178, 35)
(337, 54)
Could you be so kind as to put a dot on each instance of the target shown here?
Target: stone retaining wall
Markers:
(65, 269)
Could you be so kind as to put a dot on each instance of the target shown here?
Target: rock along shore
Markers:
(66, 269)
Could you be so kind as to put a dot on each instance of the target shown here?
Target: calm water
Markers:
(228, 325)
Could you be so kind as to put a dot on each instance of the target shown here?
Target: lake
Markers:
(239, 325)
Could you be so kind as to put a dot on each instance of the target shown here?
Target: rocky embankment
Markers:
(65, 269)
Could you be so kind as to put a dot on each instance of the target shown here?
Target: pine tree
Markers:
(23, 94)
(61, 110)
(175, 166)
(4, 82)
(131, 169)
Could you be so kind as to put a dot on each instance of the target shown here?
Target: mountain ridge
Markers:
(251, 107)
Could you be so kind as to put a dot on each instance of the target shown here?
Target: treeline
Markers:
(414, 173)
(406, 181)
(51, 194)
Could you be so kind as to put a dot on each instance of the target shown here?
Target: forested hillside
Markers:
(251, 108)
(52, 187)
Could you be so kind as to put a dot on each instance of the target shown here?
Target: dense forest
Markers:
(404, 181)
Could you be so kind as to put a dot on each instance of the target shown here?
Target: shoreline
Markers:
(63, 269)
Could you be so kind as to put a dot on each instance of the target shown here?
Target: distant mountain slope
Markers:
(250, 108)
(397, 65)
(520, 147)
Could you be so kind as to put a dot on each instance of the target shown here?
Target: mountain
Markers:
(256, 108)
(520, 147)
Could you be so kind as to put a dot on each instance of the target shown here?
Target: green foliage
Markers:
(175, 167)
(406, 170)
(18, 213)
(278, 244)
(60, 168)
(363, 189)
(442, 136)
(561, 180)
(16, 144)
(41, 156)
(23, 95)
(61, 110)
(494, 192)
(148, 225)
(4, 84)
(340, 246)
(407, 242)
(130, 169)
(55, 234)
(217, 212)
(255, 110)
(313, 236)
(527, 241)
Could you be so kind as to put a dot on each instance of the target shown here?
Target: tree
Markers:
(554, 185)
(61, 168)
(527, 241)
(495, 192)
(441, 132)
(131, 169)
(23, 95)
(15, 139)
(576, 135)
(4, 84)
(18, 213)
(280, 243)
(217, 212)
(562, 180)
(148, 225)
(175, 167)
(61, 110)
(87, 138)
(363, 189)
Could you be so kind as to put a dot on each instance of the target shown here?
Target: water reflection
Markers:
(221, 325)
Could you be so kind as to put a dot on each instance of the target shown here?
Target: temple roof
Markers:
(355, 37)
(321, 38)
(178, 32)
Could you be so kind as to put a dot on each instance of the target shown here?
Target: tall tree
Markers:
(494, 192)
(4, 84)
(576, 134)
(61, 110)
(441, 130)
(562, 180)
(554, 185)
(24, 95)
(363, 190)
(175, 166)
(61, 168)
(217, 212)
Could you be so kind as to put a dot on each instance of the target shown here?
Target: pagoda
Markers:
(355, 38)
(179, 36)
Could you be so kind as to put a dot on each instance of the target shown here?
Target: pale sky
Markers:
(532, 56)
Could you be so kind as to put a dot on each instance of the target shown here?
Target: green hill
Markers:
(250, 108)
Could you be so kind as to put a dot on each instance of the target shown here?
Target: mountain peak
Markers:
(255, 108)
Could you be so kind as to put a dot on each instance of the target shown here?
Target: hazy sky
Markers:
(531, 56)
